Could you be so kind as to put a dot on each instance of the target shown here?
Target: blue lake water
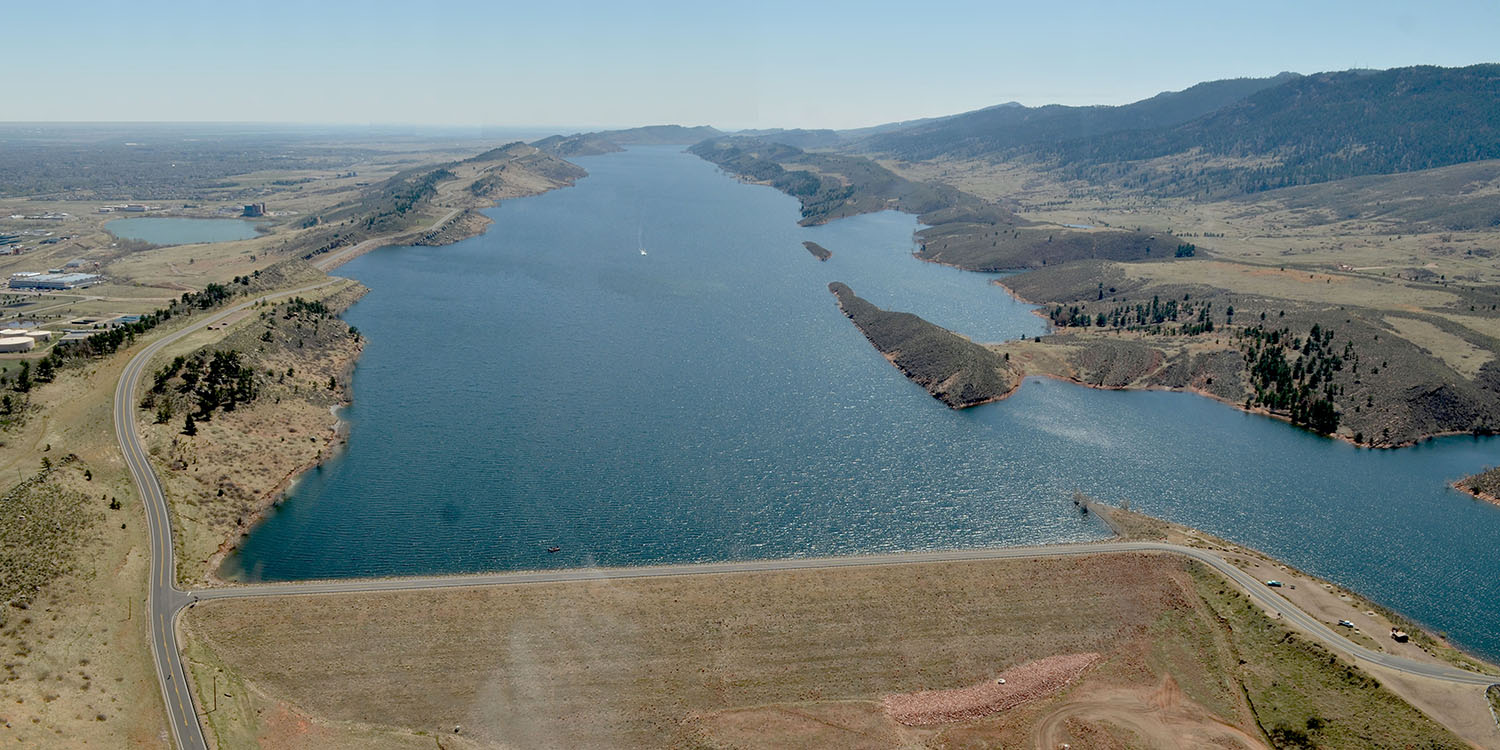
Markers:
(175, 230)
(546, 384)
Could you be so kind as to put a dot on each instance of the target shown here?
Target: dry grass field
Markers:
(791, 659)
(77, 670)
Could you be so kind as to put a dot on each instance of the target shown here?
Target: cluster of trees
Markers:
(209, 382)
(109, 341)
(1186, 250)
(299, 306)
(1301, 386)
(1195, 318)
(15, 389)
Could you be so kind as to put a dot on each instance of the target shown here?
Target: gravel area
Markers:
(1028, 682)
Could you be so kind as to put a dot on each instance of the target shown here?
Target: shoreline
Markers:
(1460, 485)
(1257, 410)
(332, 446)
(468, 222)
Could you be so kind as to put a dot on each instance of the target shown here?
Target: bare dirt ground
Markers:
(1160, 717)
(1028, 682)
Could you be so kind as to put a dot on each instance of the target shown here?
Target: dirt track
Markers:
(1161, 718)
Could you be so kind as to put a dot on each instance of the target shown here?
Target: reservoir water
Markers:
(176, 230)
(547, 384)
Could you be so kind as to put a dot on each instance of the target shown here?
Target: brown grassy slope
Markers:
(981, 247)
(632, 663)
(796, 658)
(76, 667)
(45, 520)
(953, 369)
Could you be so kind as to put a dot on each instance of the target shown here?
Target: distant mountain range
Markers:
(1217, 138)
(607, 141)
(1234, 136)
(1010, 126)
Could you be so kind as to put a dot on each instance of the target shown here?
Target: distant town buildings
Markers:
(128, 208)
(39, 280)
(254, 210)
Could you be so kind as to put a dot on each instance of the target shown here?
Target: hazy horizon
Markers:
(843, 65)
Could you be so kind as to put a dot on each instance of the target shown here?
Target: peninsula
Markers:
(955, 370)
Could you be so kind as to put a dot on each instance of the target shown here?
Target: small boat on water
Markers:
(554, 549)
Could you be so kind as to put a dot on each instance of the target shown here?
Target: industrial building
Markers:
(37, 280)
(36, 334)
(254, 210)
(11, 344)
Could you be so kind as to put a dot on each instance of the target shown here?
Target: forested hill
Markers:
(1308, 130)
(1007, 127)
(608, 141)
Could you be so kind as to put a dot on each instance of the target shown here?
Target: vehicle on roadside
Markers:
(1273, 583)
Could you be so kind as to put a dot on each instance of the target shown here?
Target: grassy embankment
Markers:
(955, 370)
(798, 657)
(1325, 601)
(965, 231)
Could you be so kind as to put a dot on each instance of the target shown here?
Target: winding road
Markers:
(166, 601)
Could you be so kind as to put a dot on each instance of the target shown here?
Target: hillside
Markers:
(565, 146)
(962, 230)
(1007, 127)
(610, 141)
(1306, 130)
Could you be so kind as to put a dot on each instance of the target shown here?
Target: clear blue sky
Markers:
(763, 64)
